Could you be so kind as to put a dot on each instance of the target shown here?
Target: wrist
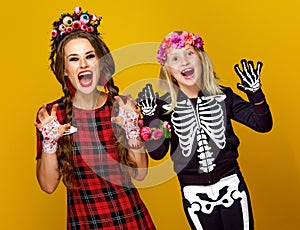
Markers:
(49, 147)
(257, 97)
(136, 146)
(50, 136)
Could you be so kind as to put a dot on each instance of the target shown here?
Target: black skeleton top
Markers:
(204, 147)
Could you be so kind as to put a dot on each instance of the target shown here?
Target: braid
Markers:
(64, 153)
(123, 154)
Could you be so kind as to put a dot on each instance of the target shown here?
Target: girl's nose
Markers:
(185, 61)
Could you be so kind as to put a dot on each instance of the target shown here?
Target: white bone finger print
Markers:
(203, 122)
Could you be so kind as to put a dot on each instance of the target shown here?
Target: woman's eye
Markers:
(190, 53)
(73, 59)
(90, 56)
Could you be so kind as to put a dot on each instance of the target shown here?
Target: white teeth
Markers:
(186, 70)
(86, 73)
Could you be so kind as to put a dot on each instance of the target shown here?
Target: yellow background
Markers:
(234, 29)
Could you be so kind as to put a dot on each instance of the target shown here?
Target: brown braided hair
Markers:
(57, 65)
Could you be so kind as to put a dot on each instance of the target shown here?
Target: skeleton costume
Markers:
(204, 149)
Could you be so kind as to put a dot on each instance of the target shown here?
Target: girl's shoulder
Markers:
(226, 89)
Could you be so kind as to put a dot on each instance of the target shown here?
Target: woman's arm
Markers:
(49, 131)
(140, 157)
(47, 172)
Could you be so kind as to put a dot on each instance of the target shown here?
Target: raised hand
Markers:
(50, 128)
(128, 117)
(250, 77)
(147, 100)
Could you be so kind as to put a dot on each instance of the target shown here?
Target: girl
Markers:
(198, 113)
(76, 141)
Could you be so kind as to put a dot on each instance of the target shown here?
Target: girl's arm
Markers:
(151, 108)
(255, 113)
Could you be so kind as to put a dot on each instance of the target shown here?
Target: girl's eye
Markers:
(175, 59)
(190, 53)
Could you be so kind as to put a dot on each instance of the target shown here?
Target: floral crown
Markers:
(178, 40)
(73, 22)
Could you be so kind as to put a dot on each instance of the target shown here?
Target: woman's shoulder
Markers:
(49, 105)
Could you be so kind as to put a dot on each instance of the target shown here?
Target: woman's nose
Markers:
(83, 63)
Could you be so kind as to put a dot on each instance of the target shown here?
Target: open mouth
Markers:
(187, 73)
(85, 78)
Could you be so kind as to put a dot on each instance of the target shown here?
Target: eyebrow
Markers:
(92, 51)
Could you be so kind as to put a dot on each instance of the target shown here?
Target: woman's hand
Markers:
(128, 116)
(50, 128)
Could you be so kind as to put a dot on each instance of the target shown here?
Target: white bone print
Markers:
(231, 186)
(206, 120)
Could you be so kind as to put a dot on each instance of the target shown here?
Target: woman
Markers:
(76, 140)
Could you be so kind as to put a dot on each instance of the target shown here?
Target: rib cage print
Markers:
(206, 120)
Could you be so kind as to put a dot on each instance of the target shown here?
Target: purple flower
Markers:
(178, 41)
(157, 134)
(198, 42)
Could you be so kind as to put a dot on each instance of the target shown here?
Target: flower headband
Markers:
(178, 41)
(73, 22)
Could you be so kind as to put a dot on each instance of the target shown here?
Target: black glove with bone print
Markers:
(250, 80)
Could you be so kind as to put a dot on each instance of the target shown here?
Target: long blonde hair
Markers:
(208, 84)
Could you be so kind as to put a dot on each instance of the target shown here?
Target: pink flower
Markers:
(157, 134)
(145, 133)
(167, 126)
(178, 41)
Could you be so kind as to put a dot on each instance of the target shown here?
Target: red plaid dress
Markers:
(106, 198)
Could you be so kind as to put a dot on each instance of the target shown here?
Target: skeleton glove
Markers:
(147, 100)
(250, 77)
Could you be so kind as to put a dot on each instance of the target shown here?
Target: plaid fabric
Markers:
(106, 198)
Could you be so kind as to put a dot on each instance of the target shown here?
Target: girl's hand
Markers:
(147, 100)
(249, 76)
